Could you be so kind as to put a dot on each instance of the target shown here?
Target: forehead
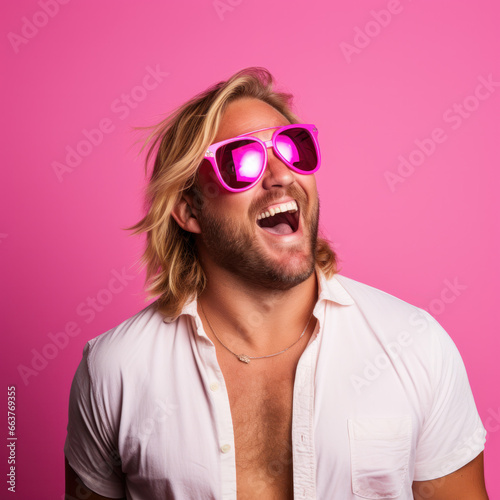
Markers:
(246, 115)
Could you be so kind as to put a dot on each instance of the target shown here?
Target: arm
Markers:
(90, 442)
(75, 489)
(467, 482)
(452, 433)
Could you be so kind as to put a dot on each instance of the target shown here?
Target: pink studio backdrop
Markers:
(406, 97)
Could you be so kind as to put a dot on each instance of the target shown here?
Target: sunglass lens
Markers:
(240, 163)
(297, 146)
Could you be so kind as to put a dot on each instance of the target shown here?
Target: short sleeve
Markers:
(89, 445)
(452, 433)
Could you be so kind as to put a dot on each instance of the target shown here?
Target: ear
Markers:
(184, 213)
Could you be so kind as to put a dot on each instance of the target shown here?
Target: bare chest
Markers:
(261, 410)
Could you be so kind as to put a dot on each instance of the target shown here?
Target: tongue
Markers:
(281, 228)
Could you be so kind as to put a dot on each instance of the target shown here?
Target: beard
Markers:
(234, 247)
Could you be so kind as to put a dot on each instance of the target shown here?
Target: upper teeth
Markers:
(290, 206)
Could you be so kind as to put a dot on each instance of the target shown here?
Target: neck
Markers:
(253, 319)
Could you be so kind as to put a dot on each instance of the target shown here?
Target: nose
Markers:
(277, 174)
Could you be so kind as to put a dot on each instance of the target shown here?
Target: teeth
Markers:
(290, 206)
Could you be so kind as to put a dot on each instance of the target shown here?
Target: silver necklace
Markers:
(243, 357)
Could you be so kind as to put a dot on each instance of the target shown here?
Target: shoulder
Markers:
(389, 335)
(368, 296)
(125, 350)
(378, 305)
(390, 318)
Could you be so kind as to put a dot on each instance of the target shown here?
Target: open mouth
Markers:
(281, 219)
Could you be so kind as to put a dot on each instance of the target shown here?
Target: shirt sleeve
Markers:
(89, 445)
(452, 433)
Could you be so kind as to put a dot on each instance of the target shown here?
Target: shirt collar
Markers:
(328, 289)
(332, 290)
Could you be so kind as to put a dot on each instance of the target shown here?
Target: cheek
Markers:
(311, 179)
(308, 184)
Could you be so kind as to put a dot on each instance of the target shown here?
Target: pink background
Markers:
(61, 239)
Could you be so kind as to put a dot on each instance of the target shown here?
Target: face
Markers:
(273, 252)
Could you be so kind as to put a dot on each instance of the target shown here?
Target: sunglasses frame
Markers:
(212, 150)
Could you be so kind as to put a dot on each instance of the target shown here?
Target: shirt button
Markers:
(214, 386)
(225, 448)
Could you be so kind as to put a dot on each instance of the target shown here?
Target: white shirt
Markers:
(381, 398)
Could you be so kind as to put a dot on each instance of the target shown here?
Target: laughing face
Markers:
(266, 235)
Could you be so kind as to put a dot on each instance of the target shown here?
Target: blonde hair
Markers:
(178, 144)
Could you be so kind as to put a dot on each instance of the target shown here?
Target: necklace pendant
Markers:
(243, 358)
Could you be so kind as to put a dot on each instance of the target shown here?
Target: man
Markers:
(260, 371)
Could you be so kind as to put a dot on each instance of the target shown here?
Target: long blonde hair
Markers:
(178, 144)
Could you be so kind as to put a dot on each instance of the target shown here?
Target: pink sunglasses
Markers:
(240, 162)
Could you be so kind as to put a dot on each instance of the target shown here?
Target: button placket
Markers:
(214, 380)
(304, 460)
(224, 424)
(226, 440)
